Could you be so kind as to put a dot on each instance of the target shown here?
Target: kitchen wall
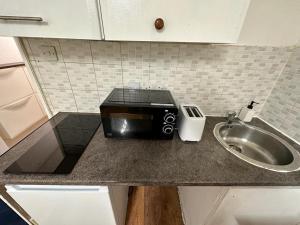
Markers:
(216, 77)
(282, 108)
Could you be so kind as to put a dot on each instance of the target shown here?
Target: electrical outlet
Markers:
(49, 53)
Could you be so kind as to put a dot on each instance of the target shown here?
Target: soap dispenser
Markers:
(246, 114)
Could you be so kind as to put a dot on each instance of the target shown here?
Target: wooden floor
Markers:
(154, 206)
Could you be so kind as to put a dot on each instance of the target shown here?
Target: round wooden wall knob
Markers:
(159, 23)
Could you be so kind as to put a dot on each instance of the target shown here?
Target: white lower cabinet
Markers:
(76, 205)
(14, 85)
(240, 206)
(19, 106)
(197, 203)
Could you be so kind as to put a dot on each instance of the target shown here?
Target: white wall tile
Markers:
(108, 77)
(191, 55)
(61, 100)
(27, 48)
(49, 102)
(76, 51)
(216, 77)
(135, 77)
(282, 108)
(162, 77)
(163, 54)
(82, 76)
(106, 53)
(53, 75)
(87, 101)
(37, 72)
(135, 54)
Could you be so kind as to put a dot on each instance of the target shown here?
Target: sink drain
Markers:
(236, 148)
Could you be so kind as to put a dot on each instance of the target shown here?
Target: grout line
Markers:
(121, 60)
(149, 65)
(276, 81)
(40, 85)
(29, 45)
(67, 75)
(61, 89)
(280, 131)
(98, 92)
(74, 62)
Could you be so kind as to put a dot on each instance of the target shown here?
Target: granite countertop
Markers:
(156, 162)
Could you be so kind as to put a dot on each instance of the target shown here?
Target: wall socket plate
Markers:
(49, 52)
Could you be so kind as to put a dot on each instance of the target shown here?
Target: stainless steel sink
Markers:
(257, 146)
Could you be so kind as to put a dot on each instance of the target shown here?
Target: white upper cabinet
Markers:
(213, 21)
(77, 19)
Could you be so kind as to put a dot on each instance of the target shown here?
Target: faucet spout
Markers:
(231, 116)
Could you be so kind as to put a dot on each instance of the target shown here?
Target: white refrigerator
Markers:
(76, 205)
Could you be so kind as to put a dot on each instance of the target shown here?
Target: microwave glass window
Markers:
(131, 123)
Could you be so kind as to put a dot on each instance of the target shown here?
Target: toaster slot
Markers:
(196, 112)
(189, 111)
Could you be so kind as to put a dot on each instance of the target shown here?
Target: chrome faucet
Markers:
(231, 116)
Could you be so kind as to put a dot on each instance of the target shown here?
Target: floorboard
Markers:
(154, 206)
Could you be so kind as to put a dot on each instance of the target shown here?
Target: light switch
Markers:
(49, 52)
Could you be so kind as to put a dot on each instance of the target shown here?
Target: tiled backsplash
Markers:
(216, 77)
(282, 108)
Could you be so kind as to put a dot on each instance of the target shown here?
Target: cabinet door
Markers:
(198, 203)
(217, 21)
(54, 19)
(14, 85)
(65, 205)
(263, 206)
(20, 115)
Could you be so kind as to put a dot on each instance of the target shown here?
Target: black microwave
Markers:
(139, 113)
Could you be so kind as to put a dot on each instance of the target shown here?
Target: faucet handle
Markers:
(231, 114)
(230, 117)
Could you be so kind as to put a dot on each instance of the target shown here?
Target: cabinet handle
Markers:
(11, 65)
(22, 18)
(159, 23)
(7, 72)
(17, 104)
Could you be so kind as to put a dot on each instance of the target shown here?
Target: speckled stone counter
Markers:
(155, 162)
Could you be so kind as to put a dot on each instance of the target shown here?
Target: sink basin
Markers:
(257, 146)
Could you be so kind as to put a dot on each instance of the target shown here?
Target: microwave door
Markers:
(131, 125)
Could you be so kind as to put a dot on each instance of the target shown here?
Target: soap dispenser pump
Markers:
(246, 114)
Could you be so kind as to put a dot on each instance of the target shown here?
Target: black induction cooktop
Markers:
(59, 147)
